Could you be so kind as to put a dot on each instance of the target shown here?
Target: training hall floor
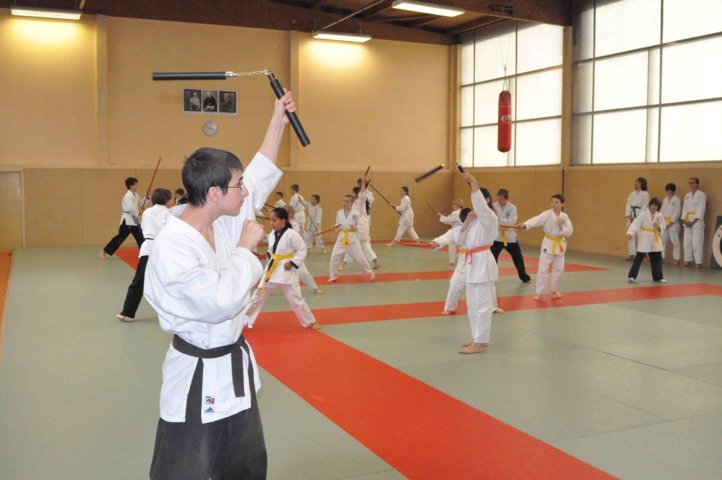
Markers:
(613, 380)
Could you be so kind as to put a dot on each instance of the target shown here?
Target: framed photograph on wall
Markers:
(228, 102)
(210, 101)
(191, 100)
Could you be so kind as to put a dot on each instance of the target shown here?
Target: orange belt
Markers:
(470, 252)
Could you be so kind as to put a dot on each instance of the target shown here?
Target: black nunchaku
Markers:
(275, 85)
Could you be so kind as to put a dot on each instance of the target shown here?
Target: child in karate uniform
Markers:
(347, 225)
(303, 274)
(557, 228)
(452, 220)
(671, 211)
(286, 253)
(648, 227)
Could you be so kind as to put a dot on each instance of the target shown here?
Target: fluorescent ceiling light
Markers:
(46, 13)
(342, 37)
(429, 8)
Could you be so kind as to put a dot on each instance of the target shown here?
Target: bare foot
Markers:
(537, 298)
(318, 291)
(630, 258)
(697, 265)
(377, 264)
(473, 348)
(103, 255)
(451, 263)
(556, 295)
(315, 326)
(447, 312)
(392, 244)
(341, 267)
(333, 279)
(122, 318)
(498, 310)
(471, 343)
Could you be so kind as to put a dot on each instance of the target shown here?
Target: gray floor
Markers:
(634, 388)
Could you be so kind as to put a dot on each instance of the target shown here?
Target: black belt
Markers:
(235, 349)
(634, 210)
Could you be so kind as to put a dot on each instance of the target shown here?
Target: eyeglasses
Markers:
(240, 184)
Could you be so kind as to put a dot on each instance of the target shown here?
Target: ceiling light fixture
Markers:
(342, 37)
(429, 8)
(50, 13)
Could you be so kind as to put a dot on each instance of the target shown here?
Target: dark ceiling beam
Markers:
(256, 14)
(406, 18)
(555, 12)
(474, 24)
(377, 9)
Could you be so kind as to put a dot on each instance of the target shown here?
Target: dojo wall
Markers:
(83, 114)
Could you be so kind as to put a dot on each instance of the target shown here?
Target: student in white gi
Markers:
(557, 228)
(279, 200)
(286, 254)
(506, 239)
(154, 220)
(347, 225)
(406, 222)
(452, 220)
(132, 206)
(476, 236)
(637, 201)
(457, 283)
(671, 211)
(303, 274)
(299, 205)
(648, 226)
(693, 210)
(199, 280)
(315, 215)
(361, 205)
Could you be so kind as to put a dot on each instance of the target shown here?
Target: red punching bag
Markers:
(504, 139)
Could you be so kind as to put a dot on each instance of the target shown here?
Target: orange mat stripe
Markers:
(5, 262)
(419, 430)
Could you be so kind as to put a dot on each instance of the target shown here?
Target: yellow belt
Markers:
(655, 232)
(687, 214)
(274, 258)
(668, 219)
(462, 251)
(557, 243)
(345, 236)
(503, 234)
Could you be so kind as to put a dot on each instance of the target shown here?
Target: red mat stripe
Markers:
(417, 429)
(403, 311)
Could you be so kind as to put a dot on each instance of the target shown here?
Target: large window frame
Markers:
(589, 119)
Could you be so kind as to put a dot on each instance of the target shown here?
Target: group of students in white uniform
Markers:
(200, 272)
(653, 224)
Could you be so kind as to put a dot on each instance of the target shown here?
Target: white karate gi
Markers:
(286, 280)
(315, 214)
(458, 278)
(694, 207)
(199, 294)
(298, 204)
(154, 219)
(279, 204)
(348, 241)
(451, 220)
(553, 248)
(363, 229)
(481, 269)
(636, 203)
(648, 240)
(406, 222)
(131, 205)
(303, 274)
(507, 216)
(671, 210)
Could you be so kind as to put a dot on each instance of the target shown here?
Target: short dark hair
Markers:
(280, 194)
(464, 213)
(318, 199)
(696, 180)
(671, 186)
(130, 181)
(359, 180)
(281, 213)
(503, 192)
(405, 189)
(356, 190)
(642, 183)
(559, 197)
(160, 196)
(487, 196)
(294, 187)
(655, 201)
(205, 168)
(180, 191)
